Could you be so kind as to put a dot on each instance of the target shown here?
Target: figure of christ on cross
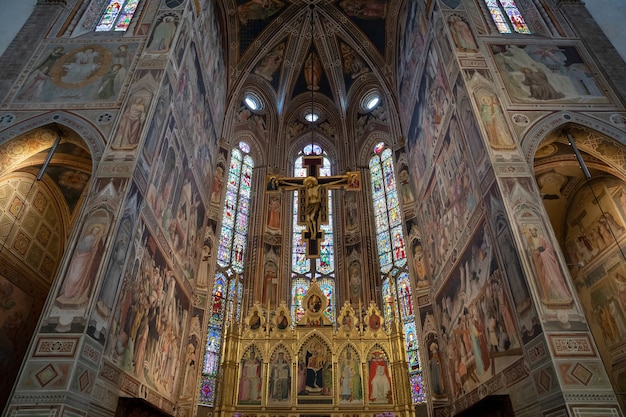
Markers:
(313, 198)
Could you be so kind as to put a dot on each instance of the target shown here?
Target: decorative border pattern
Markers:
(57, 347)
(571, 344)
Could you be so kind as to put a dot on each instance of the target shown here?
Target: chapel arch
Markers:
(588, 215)
(38, 211)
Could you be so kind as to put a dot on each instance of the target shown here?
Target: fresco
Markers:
(123, 248)
(520, 294)
(163, 34)
(74, 73)
(462, 35)
(448, 203)
(79, 279)
(196, 128)
(477, 322)
(367, 15)
(154, 132)
(254, 16)
(15, 332)
(146, 333)
(546, 74)
(435, 361)
(176, 203)
(411, 48)
(133, 115)
(428, 116)
(213, 64)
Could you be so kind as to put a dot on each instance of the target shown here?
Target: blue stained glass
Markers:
(230, 253)
(392, 256)
(387, 300)
(328, 288)
(513, 17)
(244, 147)
(207, 391)
(126, 16)
(417, 393)
(398, 244)
(223, 251)
(298, 291)
(117, 13)
(238, 253)
(410, 336)
(404, 297)
(109, 16)
(301, 266)
(230, 207)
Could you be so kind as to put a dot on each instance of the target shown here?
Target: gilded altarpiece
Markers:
(275, 366)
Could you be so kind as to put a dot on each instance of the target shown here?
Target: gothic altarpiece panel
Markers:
(277, 365)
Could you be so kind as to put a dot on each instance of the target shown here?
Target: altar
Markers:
(276, 365)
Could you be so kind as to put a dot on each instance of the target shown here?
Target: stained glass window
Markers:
(324, 267)
(228, 286)
(117, 15)
(507, 16)
(396, 284)
(391, 249)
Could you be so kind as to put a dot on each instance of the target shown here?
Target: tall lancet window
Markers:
(396, 285)
(117, 15)
(302, 269)
(507, 16)
(228, 286)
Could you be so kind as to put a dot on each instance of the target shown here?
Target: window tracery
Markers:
(228, 287)
(324, 267)
(396, 285)
(507, 16)
(117, 16)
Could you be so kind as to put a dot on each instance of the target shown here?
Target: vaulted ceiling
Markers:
(311, 53)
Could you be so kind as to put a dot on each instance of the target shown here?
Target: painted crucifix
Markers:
(313, 198)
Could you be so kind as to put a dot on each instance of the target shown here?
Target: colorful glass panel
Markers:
(117, 15)
(230, 256)
(404, 297)
(417, 392)
(328, 288)
(300, 263)
(245, 148)
(126, 16)
(387, 300)
(497, 16)
(109, 16)
(515, 17)
(392, 256)
(298, 291)
(379, 147)
(302, 268)
(511, 18)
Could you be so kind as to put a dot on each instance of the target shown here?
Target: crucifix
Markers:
(313, 198)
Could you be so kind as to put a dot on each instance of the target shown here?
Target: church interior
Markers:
(313, 208)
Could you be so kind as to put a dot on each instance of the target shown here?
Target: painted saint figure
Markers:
(78, 280)
(280, 378)
(131, 123)
(250, 381)
(552, 285)
(380, 387)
